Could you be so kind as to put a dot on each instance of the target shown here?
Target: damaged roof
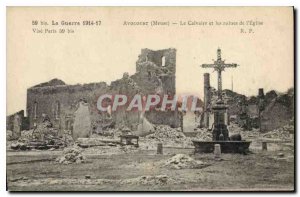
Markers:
(52, 82)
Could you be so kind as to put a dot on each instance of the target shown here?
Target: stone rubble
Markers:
(182, 161)
(18, 145)
(9, 135)
(169, 137)
(71, 155)
(282, 132)
(279, 133)
(203, 135)
(26, 134)
(163, 131)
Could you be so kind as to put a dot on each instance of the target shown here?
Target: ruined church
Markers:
(155, 74)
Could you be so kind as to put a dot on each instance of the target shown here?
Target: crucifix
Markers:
(219, 65)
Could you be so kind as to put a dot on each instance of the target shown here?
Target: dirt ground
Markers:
(142, 171)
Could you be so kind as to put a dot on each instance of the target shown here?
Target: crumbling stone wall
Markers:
(171, 118)
(125, 86)
(60, 102)
(278, 109)
(155, 74)
(278, 112)
(16, 123)
(10, 119)
(156, 68)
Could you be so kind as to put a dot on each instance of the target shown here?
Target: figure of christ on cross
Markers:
(219, 65)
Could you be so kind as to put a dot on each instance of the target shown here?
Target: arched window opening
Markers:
(57, 110)
(35, 108)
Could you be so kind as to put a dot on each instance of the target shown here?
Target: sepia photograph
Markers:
(194, 99)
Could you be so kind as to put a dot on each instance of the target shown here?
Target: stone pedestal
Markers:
(159, 148)
(220, 131)
(217, 151)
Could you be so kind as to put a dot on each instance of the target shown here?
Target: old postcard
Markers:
(150, 99)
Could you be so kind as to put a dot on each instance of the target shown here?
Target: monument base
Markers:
(241, 147)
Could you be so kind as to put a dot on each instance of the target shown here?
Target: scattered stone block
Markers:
(159, 148)
(264, 146)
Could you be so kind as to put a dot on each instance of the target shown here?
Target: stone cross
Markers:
(219, 65)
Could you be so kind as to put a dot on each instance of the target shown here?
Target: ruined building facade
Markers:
(155, 74)
(265, 111)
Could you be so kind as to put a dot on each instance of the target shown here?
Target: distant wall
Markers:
(16, 123)
(60, 102)
(278, 113)
(171, 118)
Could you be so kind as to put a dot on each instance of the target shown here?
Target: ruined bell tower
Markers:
(158, 68)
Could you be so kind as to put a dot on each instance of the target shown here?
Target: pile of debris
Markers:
(290, 128)
(71, 155)
(203, 135)
(27, 144)
(67, 139)
(182, 161)
(164, 131)
(42, 137)
(26, 134)
(18, 145)
(112, 133)
(250, 134)
(246, 134)
(169, 136)
(9, 135)
(44, 131)
(281, 133)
